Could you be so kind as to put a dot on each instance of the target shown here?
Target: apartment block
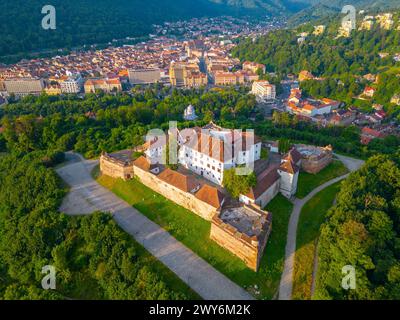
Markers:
(263, 90)
(144, 76)
(73, 84)
(24, 86)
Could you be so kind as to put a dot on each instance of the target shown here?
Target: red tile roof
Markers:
(294, 155)
(289, 167)
(263, 184)
(178, 180)
(371, 132)
(142, 163)
(210, 195)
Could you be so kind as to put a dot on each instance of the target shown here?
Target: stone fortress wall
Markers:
(245, 235)
(249, 249)
(314, 159)
(114, 168)
(184, 199)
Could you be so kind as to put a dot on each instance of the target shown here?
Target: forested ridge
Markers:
(93, 257)
(339, 63)
(323, 55)
(363, 231)
(36, 132)
(82, 22)
(102, 122)
(85, 22)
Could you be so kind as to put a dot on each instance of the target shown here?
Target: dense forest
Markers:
(340, 64)
(322, 55)
(363, 231)
(86, 22)
(106, 122)
(36, 131)
(93, 257)
(322, 9)
(82, 22)
(101, 122)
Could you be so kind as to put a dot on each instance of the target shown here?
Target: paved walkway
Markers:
(87, 196)
(286, 284)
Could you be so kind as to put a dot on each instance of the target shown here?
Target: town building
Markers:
(342, 117)
(53, 89)
(73, 84)
(225, 78)
(267, 187)
(318, 30)
(369, 92)
(144, 76)
(106, 85)
(228, 78)
(253, 67)
(190, 114)
(310, 107)
(263, 90)
(289, 173)
(368, 134)
(195, 80)
(24, 86)
(385, 21)
(345, 29)
(395, 99)
(305, 75)
(211, 150)
(366, 25)
(184, 74)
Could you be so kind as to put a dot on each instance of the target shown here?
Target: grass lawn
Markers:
(311, 217)
(194, 232)
(308, 182)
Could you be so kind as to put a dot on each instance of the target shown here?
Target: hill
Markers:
(91, 21)
(317, 9)
(266, 6)
(343, 63)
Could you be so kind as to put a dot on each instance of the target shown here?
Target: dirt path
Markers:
(286, 284)
(87, 196)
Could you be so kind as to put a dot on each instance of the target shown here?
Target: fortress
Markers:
(203, 154)
(314, 159)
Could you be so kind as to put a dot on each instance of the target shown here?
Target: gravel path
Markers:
(286, 284)
(87, 196)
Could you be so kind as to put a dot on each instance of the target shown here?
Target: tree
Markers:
(284, 145)
(238, 184)
(362, 230)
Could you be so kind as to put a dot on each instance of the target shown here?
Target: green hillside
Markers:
(91, 21)
(318, 9)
